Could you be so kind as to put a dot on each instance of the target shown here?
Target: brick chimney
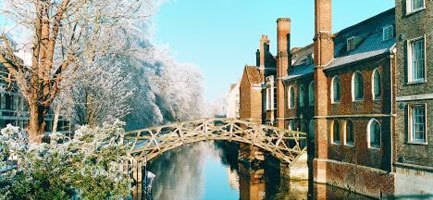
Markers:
(261, 54)
(283, 62)
(323, 55)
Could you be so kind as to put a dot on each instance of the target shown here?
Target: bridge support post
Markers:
(136, 169)
(297, 170)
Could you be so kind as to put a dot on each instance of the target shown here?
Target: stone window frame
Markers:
(291, 104)
(373, 85)
(311, 95)
(301, 95)
(409, 124)
(410, 10)
(354, 99)
(385, 31)
(346, 143)
(333, 99)
(370, 123)
(333, 141)
(409, 63)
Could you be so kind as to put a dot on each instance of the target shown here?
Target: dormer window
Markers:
(414, 6)
(388, 32)
(351, 44)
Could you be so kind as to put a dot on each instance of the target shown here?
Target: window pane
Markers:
(301, 96)
(374, 134)
(336, 87)
(336, 132)
(418, 60)
(377, 83)
(350, 137)
(417, 4)
(418, 124)
(292, 97)
(359, 87)
(311, 93)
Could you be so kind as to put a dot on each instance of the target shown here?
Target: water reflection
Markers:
(212, 171)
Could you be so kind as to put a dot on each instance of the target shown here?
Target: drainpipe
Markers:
(392, 63)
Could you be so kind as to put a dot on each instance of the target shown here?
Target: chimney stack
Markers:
(323, 55)
(283, 46)
(283, 62)
(261, 54)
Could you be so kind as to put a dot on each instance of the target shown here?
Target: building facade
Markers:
(232, 102)
(14, 110)
(363, 96)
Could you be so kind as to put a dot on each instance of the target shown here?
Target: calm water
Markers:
(211, 171)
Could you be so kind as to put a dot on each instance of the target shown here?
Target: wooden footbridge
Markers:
(149, 143)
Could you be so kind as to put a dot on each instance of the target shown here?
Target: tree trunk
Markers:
(36, 123)
(56, 118)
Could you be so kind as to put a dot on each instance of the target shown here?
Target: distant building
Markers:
(362, 94)
(232, 102)
(14, 110)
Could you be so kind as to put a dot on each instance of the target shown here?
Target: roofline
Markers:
(357, 62)
(366, 20)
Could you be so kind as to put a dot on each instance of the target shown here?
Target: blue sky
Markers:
(221, 36)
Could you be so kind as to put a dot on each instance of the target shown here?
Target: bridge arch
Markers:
(146, 144)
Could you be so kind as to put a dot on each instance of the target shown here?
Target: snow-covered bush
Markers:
(90, 165)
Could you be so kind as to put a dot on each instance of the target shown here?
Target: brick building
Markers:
(14, 110)
(362, 94)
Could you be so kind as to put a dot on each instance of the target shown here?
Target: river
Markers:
(211, 171)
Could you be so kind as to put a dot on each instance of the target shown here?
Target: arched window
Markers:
(335, 132)
(291, 125)
(291, 97)
(373, 134)
(301, 96)
(311, 93)
(357, 87)
(376, 82)
(336, 90)
(350, 135)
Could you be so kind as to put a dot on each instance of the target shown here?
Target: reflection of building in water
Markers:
(251, 183)
(233, 178)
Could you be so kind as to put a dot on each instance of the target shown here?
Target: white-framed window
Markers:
(311, 93)
(373, 134)
(335, 90)
(269, 98)
(335, 132)
(351, 43)
(357, 87)
(417, 124)
(301, 96)
(349, 138)
(416, 60)
(291, 125)
(414, 6)
(291, 98)
(388, 33)
(376, 84)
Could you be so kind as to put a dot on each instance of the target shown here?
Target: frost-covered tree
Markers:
(64, 35)
(91, 165)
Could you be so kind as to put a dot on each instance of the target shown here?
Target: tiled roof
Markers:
(369, 34)
(253, 74)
